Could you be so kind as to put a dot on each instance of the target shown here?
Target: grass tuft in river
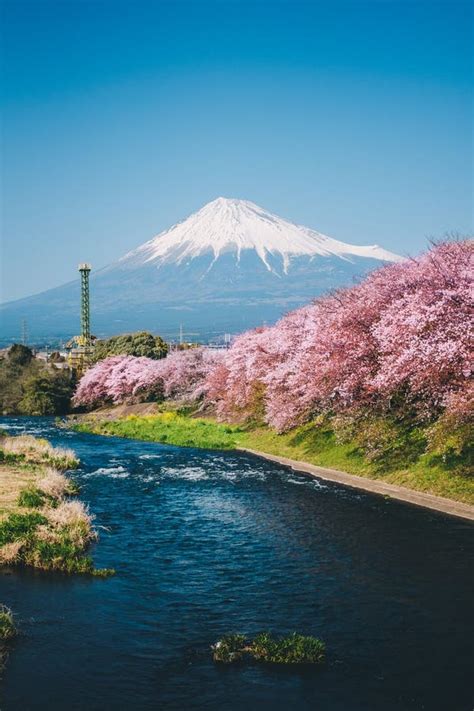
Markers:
(7, 626)
(8, 631)
(292, 649)
(230, 648)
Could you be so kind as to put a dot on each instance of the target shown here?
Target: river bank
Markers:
(428, 501)
(42, 524)
(309, 449)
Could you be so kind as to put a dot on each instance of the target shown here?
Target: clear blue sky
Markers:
(120, 118)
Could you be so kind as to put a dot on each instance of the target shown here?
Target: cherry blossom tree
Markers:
(402, 337)
(182, 375)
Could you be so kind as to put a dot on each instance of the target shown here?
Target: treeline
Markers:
(32, 387)
(141, 344)
(387, 363)
(29, 386)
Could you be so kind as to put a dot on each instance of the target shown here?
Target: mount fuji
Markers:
(230, 266)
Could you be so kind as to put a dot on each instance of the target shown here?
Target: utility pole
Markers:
(181, 334)
(24, 332)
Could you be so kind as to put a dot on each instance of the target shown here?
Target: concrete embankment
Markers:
(417, 498)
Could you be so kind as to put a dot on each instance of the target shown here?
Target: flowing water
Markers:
(210, 542)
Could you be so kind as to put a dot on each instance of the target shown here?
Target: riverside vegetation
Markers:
(41, 525)
(398, 457)
(30, 387)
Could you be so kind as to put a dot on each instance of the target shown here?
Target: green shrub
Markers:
(19, 355)
(46, 393)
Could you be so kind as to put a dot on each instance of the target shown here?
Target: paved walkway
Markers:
(418, 498)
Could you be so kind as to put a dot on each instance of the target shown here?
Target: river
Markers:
(208, 542)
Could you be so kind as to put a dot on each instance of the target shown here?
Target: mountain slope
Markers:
(227, 267)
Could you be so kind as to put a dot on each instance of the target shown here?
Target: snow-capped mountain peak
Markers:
(228, 267)
(230, 225)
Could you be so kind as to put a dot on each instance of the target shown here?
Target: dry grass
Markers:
(73, 517)
(10, 552)
(69, 513)
(13, 480)
(39, 451)
(27, 445)
(28, 465)
(54, 484)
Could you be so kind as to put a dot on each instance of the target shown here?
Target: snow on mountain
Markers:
(229, 225)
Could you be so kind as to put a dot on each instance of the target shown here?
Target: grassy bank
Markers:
(318, 445)
(167, 427)
(309, 444)
(41, 525)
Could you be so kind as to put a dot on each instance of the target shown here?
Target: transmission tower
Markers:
(84, 270)
(24, 332)
(81, 347)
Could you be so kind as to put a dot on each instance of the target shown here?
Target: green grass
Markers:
(266, 648)
(11, 457)
(317, 445)
(28, 450)
(31, 498)
(169, 428)
(61, 555)
(294, 649)
(310, 444)
(62, 551)
(402, 462)
(20, 527)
